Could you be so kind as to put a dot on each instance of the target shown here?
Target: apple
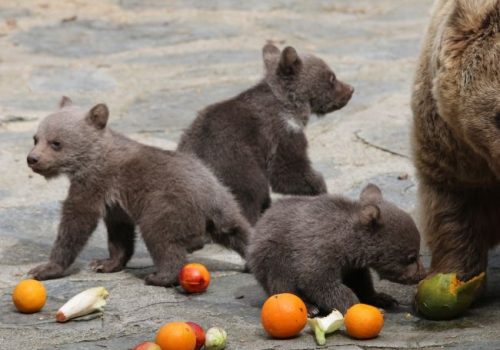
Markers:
(147, 345)
(194, 278)
(200, 334)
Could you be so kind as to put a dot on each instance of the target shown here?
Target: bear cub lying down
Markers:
(321, 248)
(170, 196)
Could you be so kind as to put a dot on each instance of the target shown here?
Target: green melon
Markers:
(443, 296)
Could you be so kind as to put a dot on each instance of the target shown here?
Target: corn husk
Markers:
(84, 303)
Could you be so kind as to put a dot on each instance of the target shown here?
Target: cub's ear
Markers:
(65, 102)
(370, 215)
(290, 62)
(98, 116)
(371, 194)
(271, 56)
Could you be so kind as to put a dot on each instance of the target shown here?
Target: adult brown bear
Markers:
(456, 134)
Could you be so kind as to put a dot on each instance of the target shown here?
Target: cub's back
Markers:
(243, 125)
(153, 172)
(305, 225)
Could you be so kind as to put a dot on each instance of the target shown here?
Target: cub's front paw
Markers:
(312, 310)
(317, 184)
(106, 265)
(382, 300)
(157, 279)
(46, 271)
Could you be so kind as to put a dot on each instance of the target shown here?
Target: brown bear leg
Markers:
(361, 283)
(328, 295)
(459, 229)
(80, 216)
(291, 169)
(121, 237)
(170, 228)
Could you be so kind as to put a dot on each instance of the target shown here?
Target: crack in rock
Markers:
(368, 143)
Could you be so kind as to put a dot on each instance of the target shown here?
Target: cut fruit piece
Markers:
(325, 325)
(443, 296)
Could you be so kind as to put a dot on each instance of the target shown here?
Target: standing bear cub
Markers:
(257, 139)
(171, 197)
(456, 135)
(321, 248)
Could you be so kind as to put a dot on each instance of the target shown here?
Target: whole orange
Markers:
(194, 278)
(176, 336)
(283, 315)
(363, 321)
(29, 296)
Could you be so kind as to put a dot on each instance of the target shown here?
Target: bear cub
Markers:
(171, 197)
(321, 248)
(256, 139)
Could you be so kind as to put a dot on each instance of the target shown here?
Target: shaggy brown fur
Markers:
(321, 248)
(256, 139)
(172, 198)
(456, 134)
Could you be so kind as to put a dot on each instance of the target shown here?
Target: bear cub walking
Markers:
(171, 197)
(256, 139)
(321, 248)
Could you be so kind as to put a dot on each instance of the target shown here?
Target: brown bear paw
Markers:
(106, 265)
(312, 310)
(382, 300)
(46, 271)
(158, 279)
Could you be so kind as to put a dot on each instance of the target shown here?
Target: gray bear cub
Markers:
(171, 197)
(321, 248)
(256, 139)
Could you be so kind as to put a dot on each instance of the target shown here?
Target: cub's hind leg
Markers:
(121, 237)
(169, 236)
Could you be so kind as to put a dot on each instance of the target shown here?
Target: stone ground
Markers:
(155, 63)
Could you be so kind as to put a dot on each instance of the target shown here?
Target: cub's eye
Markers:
(333, 79)
(55, 145)
(412, 258)
(35, 140)
(497, 120)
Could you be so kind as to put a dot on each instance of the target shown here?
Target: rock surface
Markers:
(155, 63)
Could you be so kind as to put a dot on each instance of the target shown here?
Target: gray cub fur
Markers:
(256, 139)
(172, 197)
(321, 248)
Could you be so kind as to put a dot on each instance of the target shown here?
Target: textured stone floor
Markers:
(155, 63)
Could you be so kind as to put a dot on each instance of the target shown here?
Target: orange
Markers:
(363, 321)
(176, 336)
(29, 296)
(283, 315)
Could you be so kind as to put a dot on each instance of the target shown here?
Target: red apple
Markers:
(147, 345)
(200, 334)
(194, 278)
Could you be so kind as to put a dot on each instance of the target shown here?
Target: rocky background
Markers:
(155, 63)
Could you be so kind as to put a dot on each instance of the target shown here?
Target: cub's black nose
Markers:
(32, 160)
